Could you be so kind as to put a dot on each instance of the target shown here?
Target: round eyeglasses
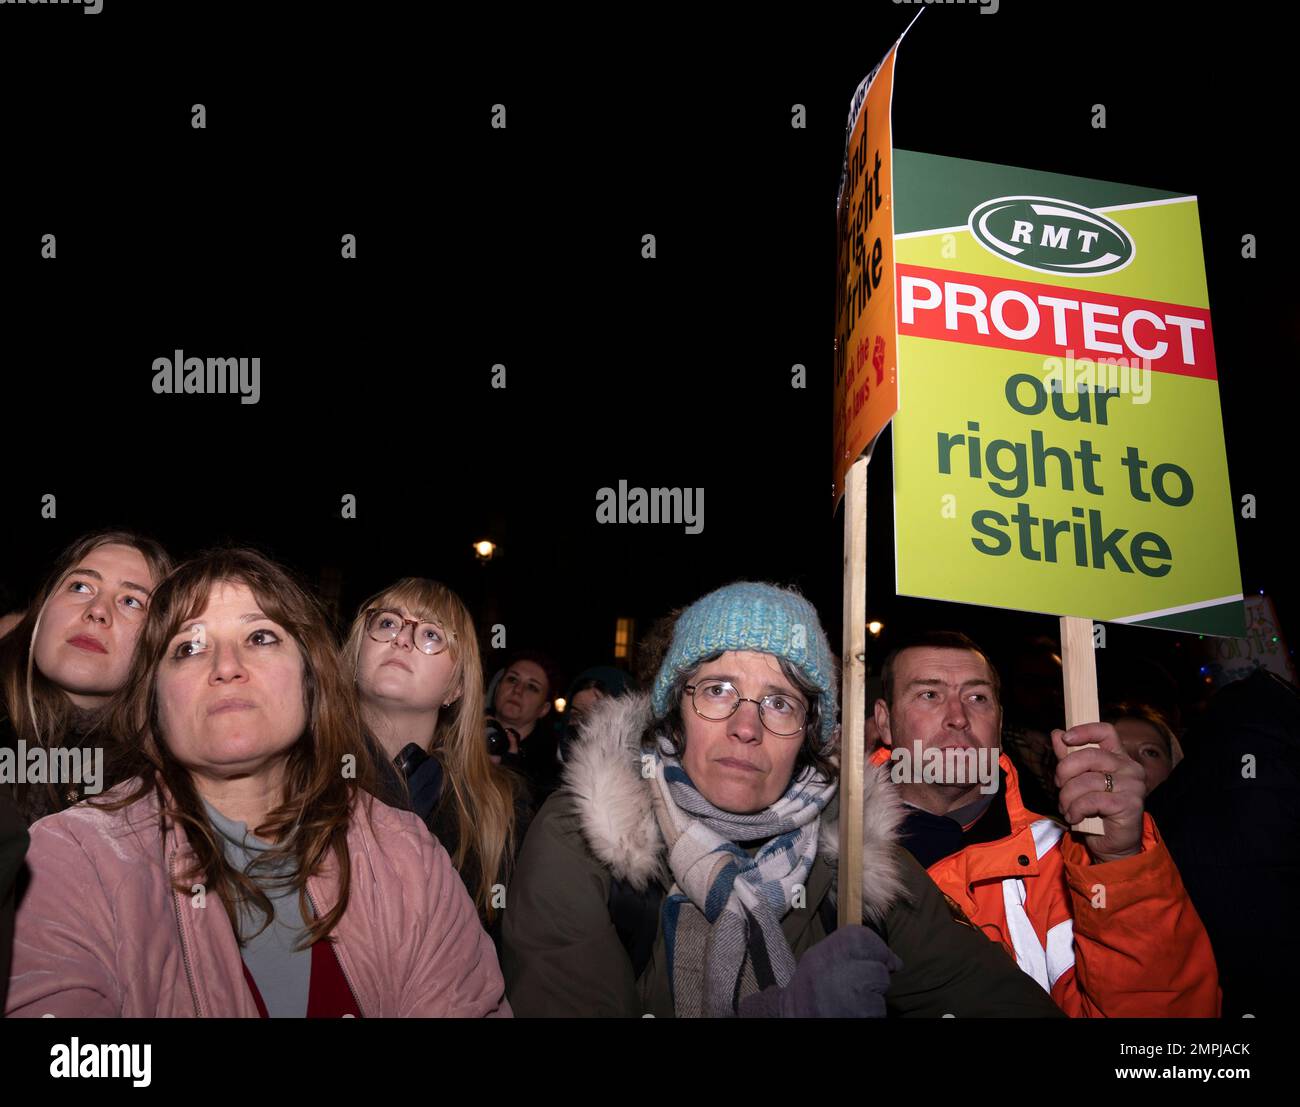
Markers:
(386, 626)
(719, 699)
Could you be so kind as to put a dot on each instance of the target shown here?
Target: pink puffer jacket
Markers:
(100, 930)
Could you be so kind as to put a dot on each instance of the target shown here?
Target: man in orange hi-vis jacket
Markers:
(1102, 921)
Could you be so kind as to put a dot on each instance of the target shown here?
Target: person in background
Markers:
(587, 690)
(871, 734)
(653, 645)
(1230, 813)
(415, 657)
(71, 651)
(1147, 737)
(1035, 703)
(522, 703)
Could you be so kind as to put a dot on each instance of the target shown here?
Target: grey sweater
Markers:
(282, 974)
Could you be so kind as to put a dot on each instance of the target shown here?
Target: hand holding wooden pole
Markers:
(1079, 664)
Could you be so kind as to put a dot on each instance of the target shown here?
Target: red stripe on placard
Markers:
(1053, 320)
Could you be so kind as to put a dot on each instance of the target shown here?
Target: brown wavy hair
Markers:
(320, 798)
(38, 709)
(482, 796)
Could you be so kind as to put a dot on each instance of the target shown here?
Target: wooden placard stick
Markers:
(1079, 664)
(853, 694)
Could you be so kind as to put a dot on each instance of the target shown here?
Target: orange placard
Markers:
(866, 344)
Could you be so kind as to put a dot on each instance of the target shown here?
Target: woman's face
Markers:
(1146, 745)
(583, 704)
(91, 622)
(396, 676)
(738, 764)
(230, 688)
(521, 698)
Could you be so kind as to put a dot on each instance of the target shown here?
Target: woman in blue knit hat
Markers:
(687, 866)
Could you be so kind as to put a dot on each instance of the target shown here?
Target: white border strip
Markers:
(1146, 204)
(1179, 610)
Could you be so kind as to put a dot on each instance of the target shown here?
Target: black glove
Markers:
(846, 975)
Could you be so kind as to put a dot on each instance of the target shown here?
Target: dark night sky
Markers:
(523, 247)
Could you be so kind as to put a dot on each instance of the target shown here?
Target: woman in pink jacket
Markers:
(244, 870)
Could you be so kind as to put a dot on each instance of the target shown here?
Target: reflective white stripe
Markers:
(1044, 964)
(1046, 834)
(1060, 950)
(1030, 955)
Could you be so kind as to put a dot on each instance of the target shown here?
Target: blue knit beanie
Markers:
(758, 617)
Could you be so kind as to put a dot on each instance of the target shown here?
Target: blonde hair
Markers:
(1147, 713)
(483, 795)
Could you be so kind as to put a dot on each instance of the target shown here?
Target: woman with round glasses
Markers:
(244, 870)
(415, 656)
(688, 864)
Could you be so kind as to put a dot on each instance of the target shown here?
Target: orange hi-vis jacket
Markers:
(1113, 940)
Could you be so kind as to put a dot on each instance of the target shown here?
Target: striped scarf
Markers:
(722, 916)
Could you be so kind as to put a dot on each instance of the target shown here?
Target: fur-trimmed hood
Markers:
(617, 819)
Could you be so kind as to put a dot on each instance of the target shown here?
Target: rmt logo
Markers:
(1051, 236)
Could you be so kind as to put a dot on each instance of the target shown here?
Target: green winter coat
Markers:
(562, 955)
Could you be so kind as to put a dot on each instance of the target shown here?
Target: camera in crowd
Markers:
(498, 737)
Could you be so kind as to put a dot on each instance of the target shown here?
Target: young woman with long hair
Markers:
(71, 650)
(414, 654)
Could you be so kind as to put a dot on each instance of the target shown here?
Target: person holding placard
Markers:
(1102, 922)
(687, 866)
